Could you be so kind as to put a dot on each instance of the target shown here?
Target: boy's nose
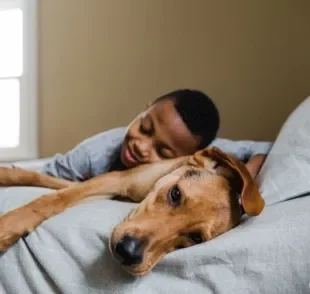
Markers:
(141, 149)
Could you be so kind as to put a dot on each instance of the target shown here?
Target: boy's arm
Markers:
(251, 152)
(91, 157)
(255, 163)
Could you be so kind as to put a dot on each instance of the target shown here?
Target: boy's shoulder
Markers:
(115, 132)
(102, 149)
(91, 157)
(110, 137)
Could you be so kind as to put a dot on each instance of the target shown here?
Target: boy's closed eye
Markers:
(146, 126)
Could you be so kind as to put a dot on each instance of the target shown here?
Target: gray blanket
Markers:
(265, 254)
(69, 254)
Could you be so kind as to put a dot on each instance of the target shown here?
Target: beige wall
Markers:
(101, 61)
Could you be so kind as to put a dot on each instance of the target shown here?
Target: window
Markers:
(18, 80)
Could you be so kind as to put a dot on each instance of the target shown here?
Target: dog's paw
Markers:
(7, 239)
(13, 226)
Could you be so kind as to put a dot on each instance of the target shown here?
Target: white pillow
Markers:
(286, 171)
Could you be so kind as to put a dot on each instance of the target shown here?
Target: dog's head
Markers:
(193, 204)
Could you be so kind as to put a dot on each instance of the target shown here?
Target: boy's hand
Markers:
(255, 163)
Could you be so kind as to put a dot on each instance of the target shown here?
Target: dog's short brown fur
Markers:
(184, 201)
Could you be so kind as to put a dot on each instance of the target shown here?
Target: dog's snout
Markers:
(129, 250)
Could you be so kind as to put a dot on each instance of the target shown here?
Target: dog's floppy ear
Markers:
(251, 199)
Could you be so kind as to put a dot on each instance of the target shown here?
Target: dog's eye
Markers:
(195, 237)
(174, 196)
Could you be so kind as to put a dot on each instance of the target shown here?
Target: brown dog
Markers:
(184, 201)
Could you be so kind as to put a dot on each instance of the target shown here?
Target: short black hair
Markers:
(198, 112)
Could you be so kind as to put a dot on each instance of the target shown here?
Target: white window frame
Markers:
(28, 147)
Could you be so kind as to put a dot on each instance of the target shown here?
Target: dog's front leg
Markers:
(14, 176)
(22, 220)
(138, 181)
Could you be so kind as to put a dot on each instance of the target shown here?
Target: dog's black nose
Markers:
(129, 250)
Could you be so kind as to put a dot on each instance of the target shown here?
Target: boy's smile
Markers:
(157, 133)
(128, 156)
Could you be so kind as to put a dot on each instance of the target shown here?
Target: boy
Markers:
(176, 124)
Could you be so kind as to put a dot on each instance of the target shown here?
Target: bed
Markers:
(265, 254)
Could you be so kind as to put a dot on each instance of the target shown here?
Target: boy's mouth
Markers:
(128, 156)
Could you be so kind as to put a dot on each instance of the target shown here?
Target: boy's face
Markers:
(157, 133)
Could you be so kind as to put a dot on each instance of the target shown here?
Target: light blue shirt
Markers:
(96, 154)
